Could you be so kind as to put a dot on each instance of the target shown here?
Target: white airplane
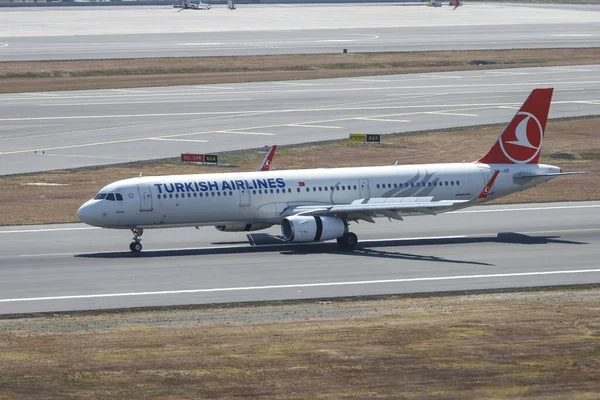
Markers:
(189, 5)
(314, 205)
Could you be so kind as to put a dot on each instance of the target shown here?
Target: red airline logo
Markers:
(488, 187)
(522, 140)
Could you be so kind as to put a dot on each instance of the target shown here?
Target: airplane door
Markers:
(145, 197)
(365, 191)
(244, 198)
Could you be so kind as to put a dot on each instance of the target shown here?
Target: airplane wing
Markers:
(391, 207)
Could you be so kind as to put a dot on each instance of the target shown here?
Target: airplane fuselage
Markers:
(263, 197)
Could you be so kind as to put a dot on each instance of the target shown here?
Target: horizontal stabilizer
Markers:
(551, 174)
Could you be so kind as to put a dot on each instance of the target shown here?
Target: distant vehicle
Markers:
(455, 3)
(190, 5)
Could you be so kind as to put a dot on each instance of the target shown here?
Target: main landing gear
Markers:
(136, 246)
(347, 241)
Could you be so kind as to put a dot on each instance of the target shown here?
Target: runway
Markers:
(141, 32)
(75, 267)
(97, 127)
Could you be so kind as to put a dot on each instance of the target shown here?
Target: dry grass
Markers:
(21, 203)
(34, 76)
(534, 345)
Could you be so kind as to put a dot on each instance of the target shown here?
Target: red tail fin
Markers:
(521, 141)
(266, 164)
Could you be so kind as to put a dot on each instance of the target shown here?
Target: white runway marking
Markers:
(315, 126)
(74, 146)
(247, 133)
(181, 140)
(573, 35)
(301, 285)
(334, 41)
(111, 103)
(86, 156)
(369, 80)
(592, 102)
(293, 83)
(79, 228)
(509, 73)
(382, 119)
(450, 113)
(129, 90)
(200, 44)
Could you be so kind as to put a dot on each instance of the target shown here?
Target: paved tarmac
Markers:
(76, 267)
(125, 32)
(97, 127)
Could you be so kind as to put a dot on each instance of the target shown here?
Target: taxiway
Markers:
(56, 130)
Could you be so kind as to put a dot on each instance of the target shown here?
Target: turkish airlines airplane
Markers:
(314, 205)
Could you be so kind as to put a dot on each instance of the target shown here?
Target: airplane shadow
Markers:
(264, 243)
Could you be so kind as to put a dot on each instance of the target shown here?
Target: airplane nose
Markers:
(85, 213)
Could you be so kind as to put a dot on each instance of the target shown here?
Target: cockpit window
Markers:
(100, 196)
(110, 197)
(119, 197)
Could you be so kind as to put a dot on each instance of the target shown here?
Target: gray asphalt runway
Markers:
(84, 128)
(124, 32)
(75, 267)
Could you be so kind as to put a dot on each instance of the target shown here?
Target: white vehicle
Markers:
(314, 205)
(190, 5)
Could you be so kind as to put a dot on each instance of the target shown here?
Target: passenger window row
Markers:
(329, 188)
(417, 184)
(190, 195)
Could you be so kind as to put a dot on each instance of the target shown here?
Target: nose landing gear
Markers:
(136, 246)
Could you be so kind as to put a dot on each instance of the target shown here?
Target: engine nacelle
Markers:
(242, 227)
(300, 228)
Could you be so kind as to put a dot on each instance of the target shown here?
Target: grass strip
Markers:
(34, 76)
(534, 345)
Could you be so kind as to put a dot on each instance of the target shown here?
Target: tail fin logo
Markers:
(521, 141)
(528, 135)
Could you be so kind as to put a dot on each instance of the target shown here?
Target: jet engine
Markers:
(242, 227)
(312, 229)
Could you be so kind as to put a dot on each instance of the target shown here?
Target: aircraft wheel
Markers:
(348, 241)
(136, 247)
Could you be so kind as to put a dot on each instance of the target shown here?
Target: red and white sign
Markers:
(189, 157)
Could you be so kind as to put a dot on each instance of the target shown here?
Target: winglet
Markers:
(266, 163)
(489, 185)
